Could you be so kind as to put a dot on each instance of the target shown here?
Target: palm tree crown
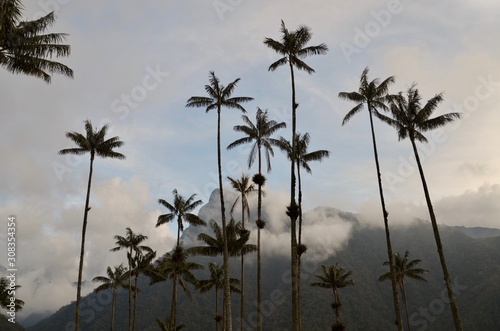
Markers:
(405, 268)
(260, 133)
(182, 209)
(410, 119)
(244, 187)
(24, 49)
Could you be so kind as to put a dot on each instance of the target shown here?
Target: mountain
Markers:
(332, 236)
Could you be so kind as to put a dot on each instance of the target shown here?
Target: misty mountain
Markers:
(331, 236)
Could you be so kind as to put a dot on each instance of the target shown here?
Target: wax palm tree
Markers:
(334, 277)
(216, 281)
(182, 209)
(302, 157)
(5, 296)
(220, 96)
(293, 49)
(405, 268)
(117, 278)
(260, 134)
(373, 94)
(24, 49)
(176, 267)
(214, 245)
(141, 263)
(92, 142)
(411, 120)
(131, 243)
(244, 187)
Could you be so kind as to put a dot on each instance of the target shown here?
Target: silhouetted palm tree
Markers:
(92, 142)
(24, 49)
(373, 94)
(141, 263)
(220, 96)
(260, 134)
(176, 267)
(293, 49)
(334, 277)
(411, 120)
(131, 243)
(5, 296)
(181, 208)
(244, 188)
(216, 281)
(302, 157)
(405, 268)
(117, 278)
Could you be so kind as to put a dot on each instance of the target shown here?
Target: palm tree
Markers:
(165, 325)
(141, 263)
(244, 188)
(293, 49)
(180, 208)
(373, 94)
(132, 244)
(334, 277)
(116, 279)
(24, 49)
(178, 269)
(216, 281)
(411, 120)
(260, 133)
(220, 96)
(302, 157)
(236, 240)
(94, 143)
(6, 295)
(404, 268)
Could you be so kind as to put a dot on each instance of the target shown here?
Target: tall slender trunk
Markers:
(299, 254)
(179, 225)
(113, 306)
(293, 215)
(173, 306)
(259, 263)
(216, 308)
(134, 316)
(337, 305)
(399, 318)
(227, 289)
(451, 295)
(405, 301)
(82, 247)
(130, 290)
(242, 309)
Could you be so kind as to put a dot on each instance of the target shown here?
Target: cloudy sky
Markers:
(137, 63)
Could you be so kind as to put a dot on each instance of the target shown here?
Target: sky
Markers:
(137, 63)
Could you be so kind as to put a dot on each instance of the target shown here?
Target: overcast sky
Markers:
(137, 63)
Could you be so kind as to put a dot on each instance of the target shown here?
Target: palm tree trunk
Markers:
(242, 310)
(403, 293)
(179, 224)
(173, 306)
(216, 308)
(113, 306)
(337, 305)
(227, 289)
(451, 295)
(134, 319)
(293, 216)
(399, 318)
(299, 255)
(130, 290)
(82, 247)
(259, 263)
